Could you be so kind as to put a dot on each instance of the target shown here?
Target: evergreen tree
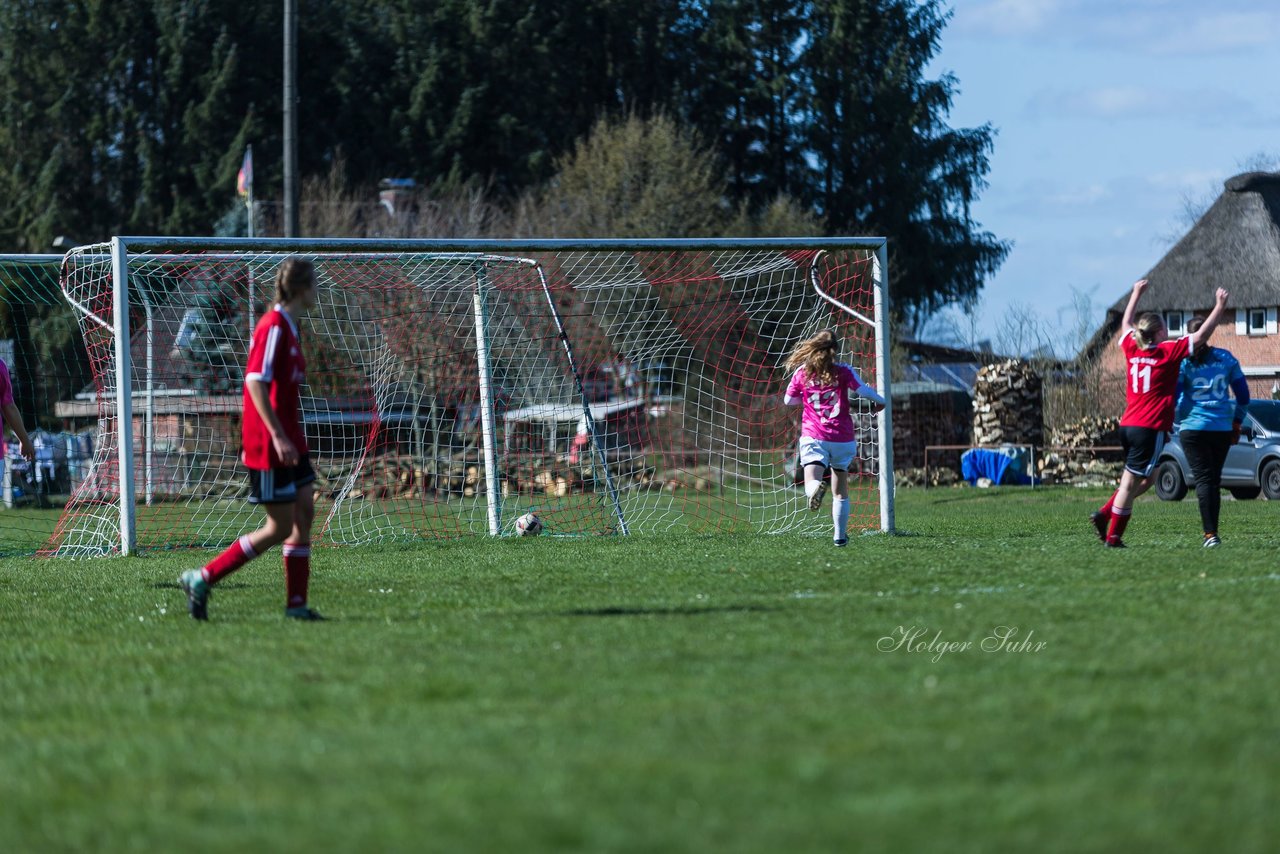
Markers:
(743, 91)
(132, 116)
(884, 160)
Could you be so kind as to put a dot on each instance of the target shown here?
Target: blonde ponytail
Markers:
(1145, 330)
(817, 355)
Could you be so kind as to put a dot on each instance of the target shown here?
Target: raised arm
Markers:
(1206, 329)
(1131, 309)
(866, 392)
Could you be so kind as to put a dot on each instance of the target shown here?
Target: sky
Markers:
(1112, 118)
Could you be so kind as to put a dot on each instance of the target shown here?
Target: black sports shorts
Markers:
(280, 486)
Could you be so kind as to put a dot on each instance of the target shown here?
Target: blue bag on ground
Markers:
(1002, 466)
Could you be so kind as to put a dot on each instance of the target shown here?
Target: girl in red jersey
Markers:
(1151, 382)
(275, 450)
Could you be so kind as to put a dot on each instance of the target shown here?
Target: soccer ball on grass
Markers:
(529, 525)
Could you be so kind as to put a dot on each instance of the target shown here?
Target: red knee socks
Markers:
(235, 556)
(297, 572)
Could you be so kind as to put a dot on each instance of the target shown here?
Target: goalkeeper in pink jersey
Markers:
(827, 439)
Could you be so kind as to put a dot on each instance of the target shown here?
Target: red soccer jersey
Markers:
(1151, 382)
(275, 357)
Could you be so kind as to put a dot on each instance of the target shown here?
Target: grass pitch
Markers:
(676, 693)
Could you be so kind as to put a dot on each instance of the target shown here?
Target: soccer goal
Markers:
(610, 386)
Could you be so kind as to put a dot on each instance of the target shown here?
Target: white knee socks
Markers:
(840, 516)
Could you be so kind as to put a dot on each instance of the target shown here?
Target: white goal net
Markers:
(610, 387)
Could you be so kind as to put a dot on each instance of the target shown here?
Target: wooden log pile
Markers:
(392, 476)
(1056, 467)
(1008, 405)
(937, 476)
(1087, 432)
(1085, 467)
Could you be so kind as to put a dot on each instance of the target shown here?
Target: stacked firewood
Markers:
(397, 476)
(933, 476)
(1088, 465)
(1056, 467)
(1008, 405)
(1091, 431)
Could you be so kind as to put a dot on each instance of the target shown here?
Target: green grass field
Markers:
(685, 693)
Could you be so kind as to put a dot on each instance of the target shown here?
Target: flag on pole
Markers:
(244, 179)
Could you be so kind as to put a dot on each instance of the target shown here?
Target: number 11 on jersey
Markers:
(1141, 376)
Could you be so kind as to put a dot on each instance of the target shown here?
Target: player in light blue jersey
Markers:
(1209, 423)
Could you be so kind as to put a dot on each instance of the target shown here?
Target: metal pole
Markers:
(249, 200)
(488, 431)
(253, 298)
(124, 395)
(283, 246)
(290, 118)
(880, 274)
(149, 471)
(587, 417)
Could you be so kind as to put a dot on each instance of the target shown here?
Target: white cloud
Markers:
(1115, 204)
(1110, 103)
(1079, 196)
(1220, 33)
(1187, 179)
(1039, 199)
(1159, 27)
(1006, 17)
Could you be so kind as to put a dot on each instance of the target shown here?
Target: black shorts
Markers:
(1142, 447)
(280, 486)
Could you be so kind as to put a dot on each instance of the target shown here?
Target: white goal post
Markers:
(611, 386)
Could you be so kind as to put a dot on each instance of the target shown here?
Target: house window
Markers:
(1257, 321)
(1176, 323)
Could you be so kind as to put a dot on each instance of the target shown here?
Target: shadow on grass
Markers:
(622, 611)
(968, 495)
(226, 585)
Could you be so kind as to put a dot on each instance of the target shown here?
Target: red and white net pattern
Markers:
(679, 355)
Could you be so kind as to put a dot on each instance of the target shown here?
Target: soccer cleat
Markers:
(815, 500)
(197, 589)
(841, 543)
(1100, 522)
(303, 613)
(1115, 543)
(1212, 541)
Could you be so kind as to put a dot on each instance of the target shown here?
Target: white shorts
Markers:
(834, 455)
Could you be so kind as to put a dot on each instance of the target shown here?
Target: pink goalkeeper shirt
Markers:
(827, 414)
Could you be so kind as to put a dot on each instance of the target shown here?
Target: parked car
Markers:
(1252, 467)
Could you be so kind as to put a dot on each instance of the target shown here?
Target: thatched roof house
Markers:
(1235, 245)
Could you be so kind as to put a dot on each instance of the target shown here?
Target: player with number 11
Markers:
(1150, 389)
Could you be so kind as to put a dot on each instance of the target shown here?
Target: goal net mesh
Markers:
(636, 390)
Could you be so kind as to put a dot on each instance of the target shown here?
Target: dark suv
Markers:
(1252, 467)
